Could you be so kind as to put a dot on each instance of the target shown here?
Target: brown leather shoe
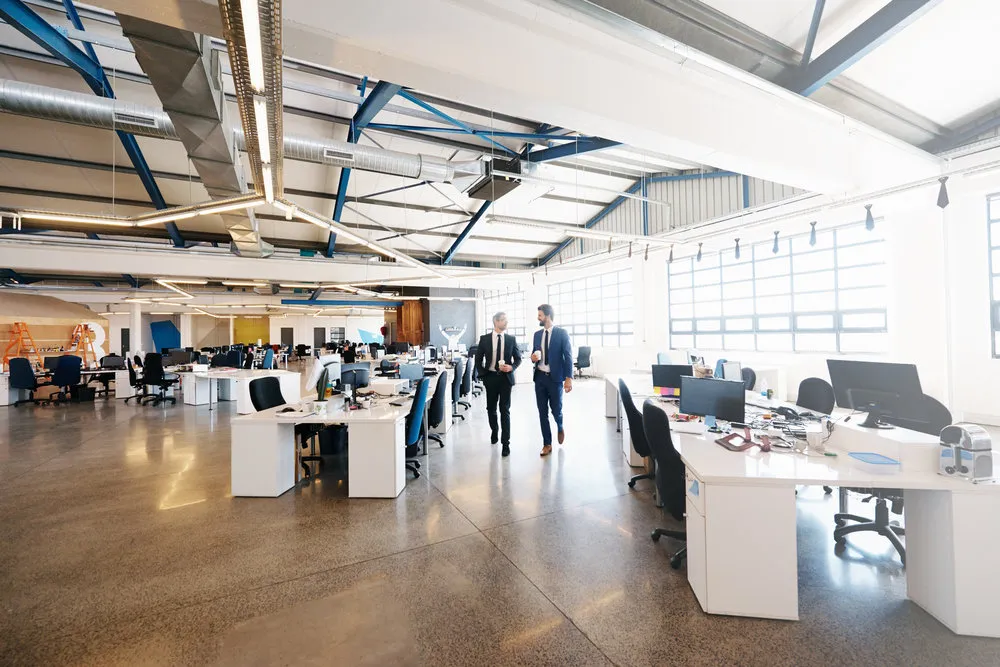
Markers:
(562, 436)
(546, 450)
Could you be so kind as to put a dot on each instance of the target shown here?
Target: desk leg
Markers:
(951, 542)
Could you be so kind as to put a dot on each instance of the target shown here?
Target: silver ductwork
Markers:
(27, 99)
(185, 72)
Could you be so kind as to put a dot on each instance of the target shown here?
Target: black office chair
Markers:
(582, 360)
(388, 369)
(816, 394)
(456, 390)
(436, 413)
(154, 376)
(135, 381)
(670, 479)
(636, 431)
(265, 393)
(111, 362)
(248, 360)
(233, 358)
(466, 383)
(67, 375)
(927, 415)
(22, 376)
(414, 424)
(219, 360)
(477, 385)
(749, 378)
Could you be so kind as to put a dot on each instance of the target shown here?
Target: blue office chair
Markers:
(22, 376)
(414, 424)
(67, 376)
(718, 368)
(436, 412)
(663, 358)
(268, 358)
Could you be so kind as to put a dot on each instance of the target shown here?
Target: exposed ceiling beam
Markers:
(572, 148)
(465, 232)
(878, 29)
(970, 132)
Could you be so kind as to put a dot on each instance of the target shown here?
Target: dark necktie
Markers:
(545, 348)
(496, 363)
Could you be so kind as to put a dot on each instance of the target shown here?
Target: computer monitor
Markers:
(695, 357)
(355, 377)
(411, 372)
(50, 363)
(667, 378)
(432, 354)
(732, 370)
(722, 399)
(879, 387)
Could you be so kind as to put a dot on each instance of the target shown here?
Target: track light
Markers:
(610, 241)
(737, 248)
(630, 251)
(698, 257)
(942, 201)
(263, 137)
(670, 257)
(774, 249)
(869, 219)
(812, 233)
(268, 185)
(646, 258)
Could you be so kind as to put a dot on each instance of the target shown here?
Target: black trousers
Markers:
(498, 391)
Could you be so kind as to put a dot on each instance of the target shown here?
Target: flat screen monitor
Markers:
(722, 399)
(667, 378)
(732, 370)
(695, 358)
(50, 363)
(402, 347)
(859, 384)
(411, 371)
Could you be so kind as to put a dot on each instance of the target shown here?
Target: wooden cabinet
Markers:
(410, 322)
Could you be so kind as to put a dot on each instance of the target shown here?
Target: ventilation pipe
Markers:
(27, 99)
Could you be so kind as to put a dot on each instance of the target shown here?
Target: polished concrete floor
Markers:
(120, 545)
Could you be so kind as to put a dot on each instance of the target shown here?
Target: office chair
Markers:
(636, 431)
(203, 359)
(663, 358)
(248, 360)
(582, 359)
(268, 362)
(816, 394)
(300, 351)
(110, 362)
(927, 415)
(265, 393)
(66, 376)
(477, 385)
(670, 479)
(466, 383)
(388, 369)
(233, 359)
(135, 381)
(749, 378)
(414, 423)
(218, 360)
(436, 413)
(456, 390)
(22, 376)
(154, 376)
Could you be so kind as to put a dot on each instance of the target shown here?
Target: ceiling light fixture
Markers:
(209, 210)
(737, 249)
(244, 283)
(298, 285)
(164, 283)
(942, 200)
(268, 185)
(812, 233)
(698, 256)
(774, 248)
(86, 220)
(869, 219)
(263, 137)
(251, 34)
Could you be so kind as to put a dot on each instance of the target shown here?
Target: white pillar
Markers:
(187, 330)
(232, 333)
(135, 328)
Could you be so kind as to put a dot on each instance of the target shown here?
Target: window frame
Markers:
(993, 244)
(581, 307)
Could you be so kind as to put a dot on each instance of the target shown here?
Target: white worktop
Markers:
(383, 411)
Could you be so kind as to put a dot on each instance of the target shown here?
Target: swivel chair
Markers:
(669, 474)
(636, 431)
(268, 362)
(456, 390)
(135, 381)
(436, 413)
(67, 375)
(414, 424)
(22, 376)
(582, 359)
(816, 394)
(466, 383)
(154, 376)
(749, 378)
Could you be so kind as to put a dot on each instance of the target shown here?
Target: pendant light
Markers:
(774, 249)
(699, 253)
(942, 200)
(869, 219)
(812, 233)
(737, 248)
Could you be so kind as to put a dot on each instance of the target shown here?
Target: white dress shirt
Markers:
(493, 351)
(544, 367)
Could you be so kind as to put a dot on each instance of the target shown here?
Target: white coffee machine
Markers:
(967, 452)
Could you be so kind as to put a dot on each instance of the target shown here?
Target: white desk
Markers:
(264, 445)
(222, 384)
(9, 396)
(741, 504)
(387, 386)
(640, 385)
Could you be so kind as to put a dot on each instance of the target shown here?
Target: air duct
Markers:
(25, 99)
(185, 72)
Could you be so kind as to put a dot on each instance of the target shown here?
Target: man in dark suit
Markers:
(553, 357)
(497, 356)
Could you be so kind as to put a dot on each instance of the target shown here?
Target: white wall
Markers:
(303, 326)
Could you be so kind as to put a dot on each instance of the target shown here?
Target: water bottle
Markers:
(763, 388)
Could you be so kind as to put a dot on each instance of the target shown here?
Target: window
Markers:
(511, 303)
(596, 310)
(993, 234)
(824, 297)
(337, 335)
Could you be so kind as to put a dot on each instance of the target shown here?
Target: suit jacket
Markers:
(487, 348)
(560, 352)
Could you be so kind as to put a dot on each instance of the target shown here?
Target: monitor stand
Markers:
(874, 419)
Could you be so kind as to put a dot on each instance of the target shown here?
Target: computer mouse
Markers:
(286, 410)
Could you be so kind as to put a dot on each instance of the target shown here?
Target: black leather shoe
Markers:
(505, 451)
(494, 438)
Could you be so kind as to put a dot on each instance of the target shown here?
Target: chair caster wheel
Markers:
(631, 484)
(416, 464)
(655, 536)
(675, 563)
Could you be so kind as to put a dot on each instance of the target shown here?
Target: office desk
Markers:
(9, 396)
(264, 446)
(741, 527)
(387, 386)
(230, 384)
(640, 385)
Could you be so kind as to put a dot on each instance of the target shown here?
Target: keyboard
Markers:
(696, 428)
(399, 402)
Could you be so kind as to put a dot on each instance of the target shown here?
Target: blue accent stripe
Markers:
(454, 121)
(746, 191)
(465, 232)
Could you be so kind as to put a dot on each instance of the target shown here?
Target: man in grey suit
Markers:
(497, 357)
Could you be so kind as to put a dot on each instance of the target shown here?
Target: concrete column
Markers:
(135, 328)
(187, 330)
(232, 333)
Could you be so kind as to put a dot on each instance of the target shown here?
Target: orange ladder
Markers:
(22, 345)
(79, 342)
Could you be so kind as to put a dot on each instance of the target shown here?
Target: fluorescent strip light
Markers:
(251, 34)
(263, 138)
(57, 217)
(300, 285)
(268, 186)
(244, 283)
(184, 281)
(139, 300)
(231, 207)
(162, 313)
(164, 283)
